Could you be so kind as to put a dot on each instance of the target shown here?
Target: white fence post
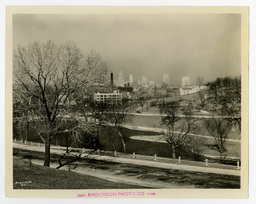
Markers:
(179, 160)
(238, 167)
(155, 157)
(133, 156)
(206, 162)
(115, 153)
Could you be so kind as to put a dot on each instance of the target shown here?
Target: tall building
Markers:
(121, 79)
(130, 79)
(144, 81)
(152, 83)
(166, 78)
(185, 81)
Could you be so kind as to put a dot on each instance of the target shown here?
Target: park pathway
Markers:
(157, 164)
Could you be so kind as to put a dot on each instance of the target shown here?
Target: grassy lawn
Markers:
(155, 121)
(40, 177)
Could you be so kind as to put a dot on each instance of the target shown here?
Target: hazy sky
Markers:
(193, 45)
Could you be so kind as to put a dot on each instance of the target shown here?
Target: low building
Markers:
(126, 91)
(186, 90)
(114, 98)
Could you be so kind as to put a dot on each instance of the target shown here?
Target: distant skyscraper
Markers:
(166, 78)
(144, 81)
(152, 83)
(121, 79)
(185, 81)
(130, 79)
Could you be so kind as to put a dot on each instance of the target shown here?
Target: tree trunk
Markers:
(96, 140)
(27, 130)
(95, 143)
(114, 147)
(122, 140)
(47, 151)
(173, 152)
(221, 144)
(124, 146)
(221, 148)
(67, 143)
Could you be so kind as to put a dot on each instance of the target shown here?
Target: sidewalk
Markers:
(166, 165)
(157, 164)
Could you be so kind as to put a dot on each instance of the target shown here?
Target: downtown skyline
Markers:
(122, 80)
(150, 46)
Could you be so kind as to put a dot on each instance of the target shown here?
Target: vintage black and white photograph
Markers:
(120, 101)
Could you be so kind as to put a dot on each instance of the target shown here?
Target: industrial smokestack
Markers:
(111, 82)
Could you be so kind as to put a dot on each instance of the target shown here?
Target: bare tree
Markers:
(219, 129)
(197, 144)
(22, 106)
(99, 116)
(51, 74)
(200, 82)
(225, 94)
(130, 103)
(177, 128)
(117, 116)
(141, 100)
(202, 98)
(231, 103)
